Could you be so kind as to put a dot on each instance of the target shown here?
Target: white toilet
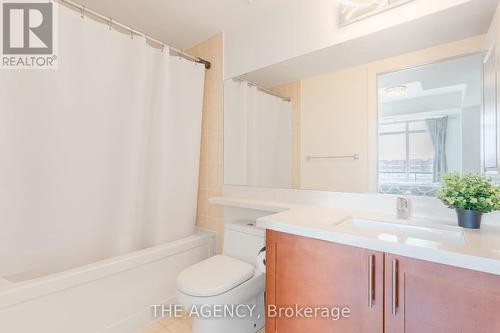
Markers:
(234, 278)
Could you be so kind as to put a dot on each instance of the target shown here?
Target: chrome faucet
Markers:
(403, 208)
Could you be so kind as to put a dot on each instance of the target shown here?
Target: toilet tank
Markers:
(243, 241)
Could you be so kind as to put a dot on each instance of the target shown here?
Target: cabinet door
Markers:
(490, 115)
(313, 273)
(432, 298)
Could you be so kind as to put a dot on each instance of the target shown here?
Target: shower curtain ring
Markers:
(131, 34)
(110, 22)
(162, 48)
(82, 12)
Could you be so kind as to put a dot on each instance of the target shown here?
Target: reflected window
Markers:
(406, 153)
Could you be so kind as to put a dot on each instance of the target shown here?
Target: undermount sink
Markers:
(409, 233)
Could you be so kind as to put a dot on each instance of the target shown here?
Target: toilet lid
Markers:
(214, 276)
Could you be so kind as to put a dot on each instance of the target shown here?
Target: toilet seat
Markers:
(214, 276)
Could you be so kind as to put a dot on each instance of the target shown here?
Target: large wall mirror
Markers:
(362, 129)
(429, 124)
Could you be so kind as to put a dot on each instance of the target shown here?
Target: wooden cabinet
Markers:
(385, 293)
(313, 273)
(426, 297)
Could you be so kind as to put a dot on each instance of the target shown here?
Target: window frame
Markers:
(407, 132)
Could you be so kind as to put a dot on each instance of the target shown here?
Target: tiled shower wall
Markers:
(211, 157)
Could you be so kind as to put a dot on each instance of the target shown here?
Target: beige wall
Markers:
(339, 117)
(293, 91)
(211, 157)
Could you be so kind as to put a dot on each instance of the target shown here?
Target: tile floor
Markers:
(172, 325)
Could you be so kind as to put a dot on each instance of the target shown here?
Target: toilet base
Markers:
(241, 325)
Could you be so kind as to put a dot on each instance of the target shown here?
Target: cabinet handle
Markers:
(394, 287)
(371, 292)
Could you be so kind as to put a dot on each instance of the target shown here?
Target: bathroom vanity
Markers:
(381, 289)
(413, 275)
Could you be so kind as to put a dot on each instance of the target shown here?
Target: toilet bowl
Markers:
(225, 293)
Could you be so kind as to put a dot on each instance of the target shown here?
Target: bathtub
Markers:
(109, 296)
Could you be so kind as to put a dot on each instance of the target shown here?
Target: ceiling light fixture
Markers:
(354, 10)
(396, 91)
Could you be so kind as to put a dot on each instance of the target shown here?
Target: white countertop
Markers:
(477, 249)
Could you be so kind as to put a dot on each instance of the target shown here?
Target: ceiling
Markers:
(446, 85)
(182, 23)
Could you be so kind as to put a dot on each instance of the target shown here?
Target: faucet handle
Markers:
(403, 208)
(402, 202)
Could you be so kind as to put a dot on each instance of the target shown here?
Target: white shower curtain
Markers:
(235, 132)
(101, 156)
(257, 137)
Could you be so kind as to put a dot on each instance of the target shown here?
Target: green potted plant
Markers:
(470, 195)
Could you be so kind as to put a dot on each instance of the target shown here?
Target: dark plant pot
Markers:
(470, 219)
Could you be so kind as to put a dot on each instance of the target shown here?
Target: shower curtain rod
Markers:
(265, 90)
(84, 10)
